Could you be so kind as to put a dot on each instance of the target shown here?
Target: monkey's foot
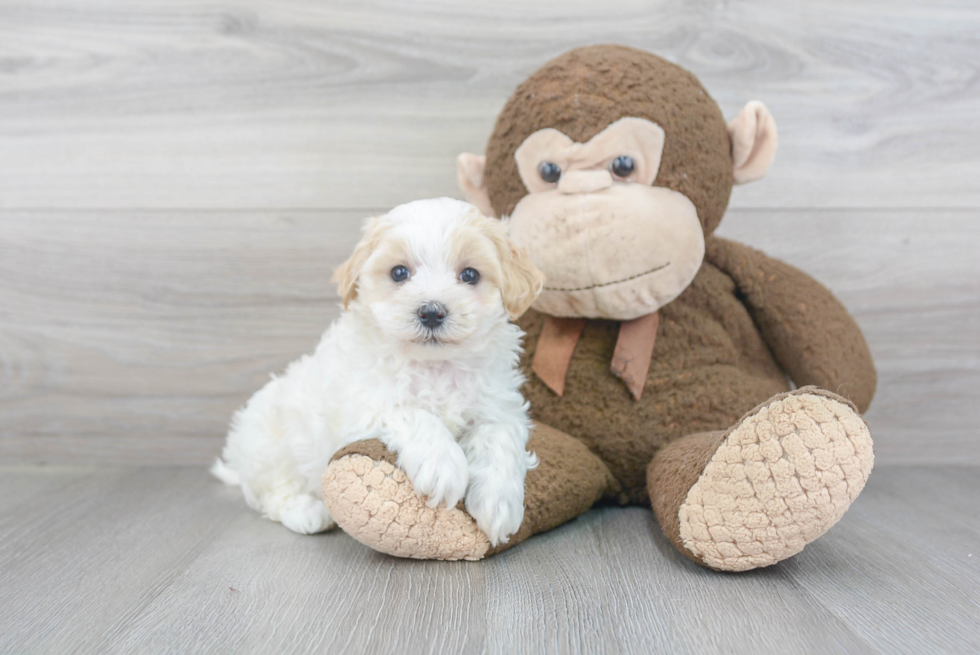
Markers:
(759, 493)
(374, 502)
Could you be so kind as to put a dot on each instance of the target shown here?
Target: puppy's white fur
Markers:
(446, 400)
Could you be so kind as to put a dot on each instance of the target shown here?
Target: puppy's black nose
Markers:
(432, 314)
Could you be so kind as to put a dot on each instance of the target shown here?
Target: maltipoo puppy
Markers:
(423, 357)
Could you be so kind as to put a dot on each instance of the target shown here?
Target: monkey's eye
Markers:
(549, 172)
(623, 166)
(400, 274)
(469, 276)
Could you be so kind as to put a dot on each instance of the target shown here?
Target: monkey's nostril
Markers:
(432, 314)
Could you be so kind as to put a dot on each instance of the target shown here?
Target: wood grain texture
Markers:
(911, 532)
(96, 550)
(300, 103)
(164, 559)
(133, 336)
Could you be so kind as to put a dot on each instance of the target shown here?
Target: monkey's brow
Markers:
(606, 284)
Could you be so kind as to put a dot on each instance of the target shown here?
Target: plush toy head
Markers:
(613, 165)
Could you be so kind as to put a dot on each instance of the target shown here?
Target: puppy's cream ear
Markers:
(469, 175)
(754, 141)
(347, 273)
(521, 280)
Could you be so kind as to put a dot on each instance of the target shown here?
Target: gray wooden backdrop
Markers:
(177, 180)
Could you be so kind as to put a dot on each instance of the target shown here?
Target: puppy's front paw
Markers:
(498, 508)
(437, 471)
(305, 514)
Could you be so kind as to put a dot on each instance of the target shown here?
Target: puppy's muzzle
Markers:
(432, 314)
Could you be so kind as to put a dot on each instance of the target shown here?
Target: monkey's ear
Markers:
(347, 273)
(469, 175)
(754, 140)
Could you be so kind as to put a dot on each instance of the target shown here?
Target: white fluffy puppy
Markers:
(423, 358)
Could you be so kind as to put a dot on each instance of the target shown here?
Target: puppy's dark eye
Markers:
(469, 276)
(549, 172)
(623, 166)
(400, 274)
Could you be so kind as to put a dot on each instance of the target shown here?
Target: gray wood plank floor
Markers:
(166, 560)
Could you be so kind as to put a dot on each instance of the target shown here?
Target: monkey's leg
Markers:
(374, 502)
(758, 493)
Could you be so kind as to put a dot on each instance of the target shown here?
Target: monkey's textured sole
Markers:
(781, 478)
(374, 502)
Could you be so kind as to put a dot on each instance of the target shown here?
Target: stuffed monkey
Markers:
(666, 367)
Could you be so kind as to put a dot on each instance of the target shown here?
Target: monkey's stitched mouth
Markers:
(609, 284)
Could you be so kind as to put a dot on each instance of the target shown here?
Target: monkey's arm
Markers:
(809, 331)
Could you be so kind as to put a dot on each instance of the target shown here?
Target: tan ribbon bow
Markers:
(631, 358)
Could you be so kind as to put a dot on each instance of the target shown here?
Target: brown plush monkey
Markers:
(659, 357)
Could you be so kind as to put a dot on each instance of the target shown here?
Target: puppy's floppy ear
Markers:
(521, 280)
(347, 273)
